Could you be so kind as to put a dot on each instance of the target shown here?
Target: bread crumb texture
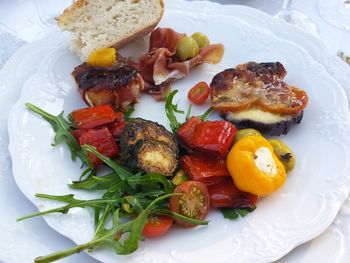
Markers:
(105, 23)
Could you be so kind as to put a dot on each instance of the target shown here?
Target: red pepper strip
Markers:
(212, 180)
(204, 168)
(93, 117)
(117, 129)
(77, 133)
(185, 132)
(215, 137)
(104, 142)
(226, 194)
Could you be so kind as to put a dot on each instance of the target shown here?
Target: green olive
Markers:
(187, 48)
(201, 39)
(284, 154)
(180, 177)
(246, 132)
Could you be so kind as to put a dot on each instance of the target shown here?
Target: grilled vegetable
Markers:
(254, 166)
(226, 194)
(153, 156)
(240, 134)
(148, 146)
(93, 117)
(254, 95)
(284, 154)
(204, 168)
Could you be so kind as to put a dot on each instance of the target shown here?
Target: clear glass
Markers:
(336, 12)
(296, 18)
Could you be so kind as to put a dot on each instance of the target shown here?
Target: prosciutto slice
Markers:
(160, 66)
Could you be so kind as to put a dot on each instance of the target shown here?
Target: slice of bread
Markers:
(104, 23)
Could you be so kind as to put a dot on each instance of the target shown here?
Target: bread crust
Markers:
(63, 19)
(66, 18)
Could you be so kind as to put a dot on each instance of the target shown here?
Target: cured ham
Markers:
(119, 86)
(161, 66)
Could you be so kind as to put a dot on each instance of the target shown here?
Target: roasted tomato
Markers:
(199, 93)
(93, 117)
(226, 194)
(215, 137)
(157, 226)
(203, 168)
(194, 201)
(104, 142)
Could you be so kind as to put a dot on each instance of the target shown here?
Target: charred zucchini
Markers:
(147, 146)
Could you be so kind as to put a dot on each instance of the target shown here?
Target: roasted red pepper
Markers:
(226, 194)
(104, 142)
(203, 168)
(93, 117)
(77, 133)
(185, 132)
(117, 129)
(214, 137)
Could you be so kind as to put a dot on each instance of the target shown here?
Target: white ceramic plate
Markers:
(302, 209)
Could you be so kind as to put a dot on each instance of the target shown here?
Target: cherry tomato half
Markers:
(194, 201)
(199, 93)
(157, 226)
(226, 194)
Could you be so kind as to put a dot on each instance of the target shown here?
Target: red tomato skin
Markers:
(204, 168)
(185, 188)
(104, 142)
(199, 93)
(158, 227)
(226, 194)
(93, 117)
(185, 132)
(214, 137)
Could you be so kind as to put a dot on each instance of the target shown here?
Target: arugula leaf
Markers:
(120, 170)
(128, 113)
(62, 129)
(206, 114)
(235, 213)
(96, 182)
(170, 110)
(188, 113)
(79, 203)
(183, 218)
(151, 180)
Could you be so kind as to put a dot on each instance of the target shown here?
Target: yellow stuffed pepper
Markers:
(254, 166)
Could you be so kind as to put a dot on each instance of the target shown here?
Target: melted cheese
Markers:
(256, 115)
(264, 161)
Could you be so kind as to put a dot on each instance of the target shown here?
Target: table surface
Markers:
(36, 17)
